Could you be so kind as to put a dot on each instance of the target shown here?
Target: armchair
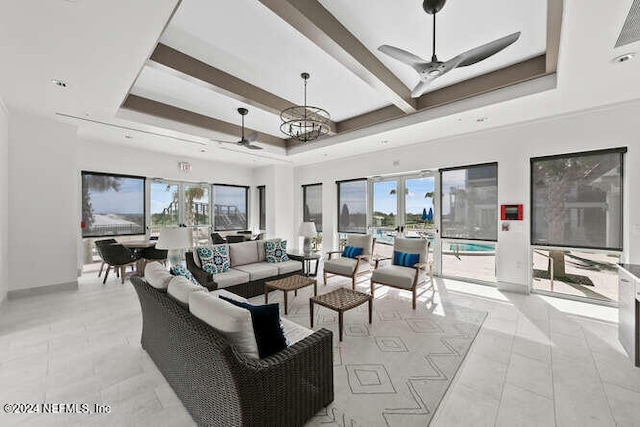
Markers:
(351, 267)
(403, 277)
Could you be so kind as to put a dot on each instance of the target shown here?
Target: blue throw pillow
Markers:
(266, 326)
(352, 252)
(178, 270)
(405, 260)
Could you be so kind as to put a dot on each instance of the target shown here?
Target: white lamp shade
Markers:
(175, 238)
(307, 229)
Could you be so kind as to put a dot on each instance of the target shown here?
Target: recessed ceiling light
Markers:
(324, 154)
(203, 150)
(60, 83)
(624, 58)
(384, 142)
(128, 136)
(482, 119)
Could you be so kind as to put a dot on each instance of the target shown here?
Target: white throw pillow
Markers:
(157, 275)
(180, 288)
(231, 321)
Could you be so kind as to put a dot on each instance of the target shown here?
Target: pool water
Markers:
(382, 237)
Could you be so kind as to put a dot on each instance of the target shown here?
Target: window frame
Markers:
(304, 198)
(262, 207)
(119, 175)
(213, 204)
(442, 236)
(620, 150)
(366, 201)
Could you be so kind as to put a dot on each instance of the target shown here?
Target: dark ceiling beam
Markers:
(313, 21)
(520, 72)
(169, 112)
(183, 66)
(554, 29)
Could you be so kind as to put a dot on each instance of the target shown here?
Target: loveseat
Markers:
(219, 385)
(248, 269)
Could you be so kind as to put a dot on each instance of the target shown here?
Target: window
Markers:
(165, 210)
(262, 207)
(576, 200)
(352, 205)
(418, 203)
(385, 204)
(469, 204)
(112, 205)
(312, 205)
(196, 201)
(230, 207)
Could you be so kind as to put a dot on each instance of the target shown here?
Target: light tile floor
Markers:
(537, 361)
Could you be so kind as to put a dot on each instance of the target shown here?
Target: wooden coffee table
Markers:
(341, 300)
(290, 283)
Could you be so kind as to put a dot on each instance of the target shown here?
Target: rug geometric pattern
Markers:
(394, 371)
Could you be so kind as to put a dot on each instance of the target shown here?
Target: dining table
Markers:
(137, 246)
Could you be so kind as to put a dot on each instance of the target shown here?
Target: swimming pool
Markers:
(447, 246)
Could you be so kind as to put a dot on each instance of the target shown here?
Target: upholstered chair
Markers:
(99, 244)
(340, 265)
(408, 266)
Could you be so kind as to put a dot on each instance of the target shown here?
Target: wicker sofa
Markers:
(217, 384)
(248, 270)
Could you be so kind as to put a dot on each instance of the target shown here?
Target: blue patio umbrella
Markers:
(430, 215)
(424, 214)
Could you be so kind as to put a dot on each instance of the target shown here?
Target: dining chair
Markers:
(118, 257)
(99, 244)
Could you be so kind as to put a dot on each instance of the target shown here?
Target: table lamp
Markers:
(307, 230)
(175, 239)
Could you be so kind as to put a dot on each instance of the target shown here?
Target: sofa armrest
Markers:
(301, 374)
(204, 278)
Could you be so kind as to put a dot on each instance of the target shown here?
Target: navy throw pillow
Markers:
(405, 260)
(351, 252)
(266, 326)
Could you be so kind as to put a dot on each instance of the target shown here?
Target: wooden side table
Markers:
(341, 300)
(290, 283)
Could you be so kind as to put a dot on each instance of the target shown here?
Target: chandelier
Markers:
(305, 123)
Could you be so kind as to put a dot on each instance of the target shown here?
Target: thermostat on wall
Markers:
(511, 212)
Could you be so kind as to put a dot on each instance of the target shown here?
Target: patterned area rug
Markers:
(395, 371)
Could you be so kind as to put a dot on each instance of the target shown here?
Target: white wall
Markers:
(43, 196)
(279, 188)
(4, 200)
(512, 148)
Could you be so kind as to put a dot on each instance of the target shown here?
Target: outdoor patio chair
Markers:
(217, 239)
(347, 266)
(407, 270)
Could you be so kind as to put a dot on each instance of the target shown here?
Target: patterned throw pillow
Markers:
(214, 259)
(276, 250)
(405, 260)
(351, 252)
(178, 270)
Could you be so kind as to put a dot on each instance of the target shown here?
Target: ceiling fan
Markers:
(244, 142)
(431, 70)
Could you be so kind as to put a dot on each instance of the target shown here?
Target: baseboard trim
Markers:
(513, 287)
(22, 293)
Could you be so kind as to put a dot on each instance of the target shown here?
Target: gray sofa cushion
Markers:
(258, 270)
(181, 288)
(286, 267)
(394, 275)
(262, 256)
(243, 253)
(293, 332)
(230, 278)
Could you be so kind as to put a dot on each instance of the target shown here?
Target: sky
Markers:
(129, 200)
(415, 201)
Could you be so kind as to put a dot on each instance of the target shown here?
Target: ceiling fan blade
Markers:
(480, 53)
(403, 56)
(252, 146)
(253, 137)
(420, 88)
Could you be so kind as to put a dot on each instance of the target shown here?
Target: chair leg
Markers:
(122, 274)
(414, 297)
(372, 289)
(101, 267)
(324, 277)
(106, 274)
(353, 282)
